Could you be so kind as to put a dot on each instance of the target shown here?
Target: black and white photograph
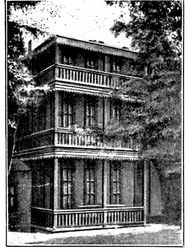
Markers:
(94, 123)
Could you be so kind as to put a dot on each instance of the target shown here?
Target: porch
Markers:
(78, 193)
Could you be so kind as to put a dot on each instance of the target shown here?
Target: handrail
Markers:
(83, 210)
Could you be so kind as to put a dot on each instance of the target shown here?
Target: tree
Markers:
(155, 117)
(21, 87)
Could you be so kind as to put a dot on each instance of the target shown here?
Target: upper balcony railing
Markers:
(84, 76)
(93, 140)
(67, 138)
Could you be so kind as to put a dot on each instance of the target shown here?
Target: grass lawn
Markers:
(163, 237)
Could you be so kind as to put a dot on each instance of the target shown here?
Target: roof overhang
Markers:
(86, 45)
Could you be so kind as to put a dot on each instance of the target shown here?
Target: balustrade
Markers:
(88, 217)
(92, 140)
(83, 75)
(94, 77)
(71, 139)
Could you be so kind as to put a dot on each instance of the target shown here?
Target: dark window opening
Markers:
(91, 61)
(116, 65)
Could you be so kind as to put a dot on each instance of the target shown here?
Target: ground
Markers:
(152, 234)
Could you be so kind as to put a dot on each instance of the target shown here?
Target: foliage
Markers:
(156, 31)
(21, 89)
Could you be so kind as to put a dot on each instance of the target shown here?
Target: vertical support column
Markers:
(106, 110)
(105, 188)
(57, 54)
(145, 189)
(56, 113)
(55, 189)
(103, 114)
(57, 60)
(56, 97)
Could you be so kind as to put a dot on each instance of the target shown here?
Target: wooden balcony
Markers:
(93, 140)
(36, 140)
(83, 77)
(66, 138)
(64, 219)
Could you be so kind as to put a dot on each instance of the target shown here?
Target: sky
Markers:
(81, 19)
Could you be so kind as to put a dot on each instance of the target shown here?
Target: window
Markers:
(66, 59)
(115, 110)
(91, 64)
(89, 183)
(89, 115)
(12, 198)
(42, 117)
(116, 65)
(67, 56)
(67, 184)
(91, 61)
(42, 184)
(115, 183)
(67, 114)
(138, 185)
(67, 111)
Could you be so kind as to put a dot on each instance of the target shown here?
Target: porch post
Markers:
(56, 109)
(105, 188)
(56, 118)
(55, 189)
(57, 54)
(145, 190)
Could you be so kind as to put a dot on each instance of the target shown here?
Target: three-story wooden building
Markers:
(78, 177)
